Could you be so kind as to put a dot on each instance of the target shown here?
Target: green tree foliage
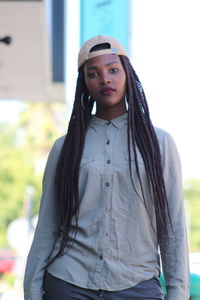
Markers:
(192, 197)
(16, 173)
(40, 124)
(24, 147)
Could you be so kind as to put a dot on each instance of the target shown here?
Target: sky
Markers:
(165, 54)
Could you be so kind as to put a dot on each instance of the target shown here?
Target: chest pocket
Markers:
(139, 158)
(86, 159)
(140, 161)
(141, 166)
(93, 163)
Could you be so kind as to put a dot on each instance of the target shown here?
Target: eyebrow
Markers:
(108, 64)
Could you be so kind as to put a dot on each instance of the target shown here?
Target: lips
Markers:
(106, 91)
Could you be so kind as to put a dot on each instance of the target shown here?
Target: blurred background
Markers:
(39, 44)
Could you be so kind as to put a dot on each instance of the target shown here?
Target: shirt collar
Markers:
(96, 123)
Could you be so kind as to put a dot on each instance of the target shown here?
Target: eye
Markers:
(114, 70)
(93, 75)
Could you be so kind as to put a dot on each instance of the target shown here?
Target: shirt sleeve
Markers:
(174, 254)
(46, 233)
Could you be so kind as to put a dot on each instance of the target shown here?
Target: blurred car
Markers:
(195, 276)
(7, 261)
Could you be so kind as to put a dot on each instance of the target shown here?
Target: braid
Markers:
(141, 133)
(67, 172)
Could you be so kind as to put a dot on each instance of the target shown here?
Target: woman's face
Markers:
(105, 79)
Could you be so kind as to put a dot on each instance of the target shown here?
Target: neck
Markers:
(110, 113)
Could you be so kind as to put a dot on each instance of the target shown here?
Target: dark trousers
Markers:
(57, 289)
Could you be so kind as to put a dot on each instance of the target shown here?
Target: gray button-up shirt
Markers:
(116, 245)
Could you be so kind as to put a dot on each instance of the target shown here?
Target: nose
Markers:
(105, 79)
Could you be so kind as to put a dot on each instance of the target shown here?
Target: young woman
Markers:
(112, 195)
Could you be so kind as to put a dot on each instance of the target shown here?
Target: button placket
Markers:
(106, 196)
(108, 161)
(107, 131)
(107, 175)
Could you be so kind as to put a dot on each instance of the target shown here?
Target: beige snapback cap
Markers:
(85, 54)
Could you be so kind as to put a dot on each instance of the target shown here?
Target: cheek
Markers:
(92, 88)
(89, 85)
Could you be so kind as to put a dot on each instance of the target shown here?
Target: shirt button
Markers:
(101, 256)
(107, 184)
(109, 123)
(108, 161)
(108, 142)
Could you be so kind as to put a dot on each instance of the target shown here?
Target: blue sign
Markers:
(109, 17)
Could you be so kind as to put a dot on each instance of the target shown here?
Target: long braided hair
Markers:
(140, 133)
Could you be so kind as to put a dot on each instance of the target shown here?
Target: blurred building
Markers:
(45, 38)
(31, 66)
